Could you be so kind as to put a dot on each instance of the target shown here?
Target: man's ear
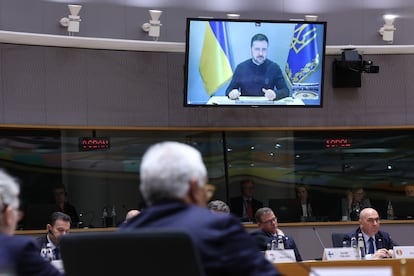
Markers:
(197, 194)
(8, 215)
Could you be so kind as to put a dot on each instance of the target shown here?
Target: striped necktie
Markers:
(370, 245)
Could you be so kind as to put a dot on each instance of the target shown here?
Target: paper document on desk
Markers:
(280, 256)
(339, 253)
(253, 101)
(354, 271)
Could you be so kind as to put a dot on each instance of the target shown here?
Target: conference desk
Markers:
(253, 101)
(400, 267)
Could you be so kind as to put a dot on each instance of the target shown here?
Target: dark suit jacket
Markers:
(42, 242)
(263, 239)
(224, 245)
(382, 239)
(20, 255)
(237, 206)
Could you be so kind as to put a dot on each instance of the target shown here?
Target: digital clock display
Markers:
(337, 143)
(94, 143)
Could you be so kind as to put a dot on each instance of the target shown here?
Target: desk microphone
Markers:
(319, 237)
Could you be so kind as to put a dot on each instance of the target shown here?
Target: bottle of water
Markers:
(113, 216)
(104, 217)
(273, 246)
(361, 246)
(390, 210)
(280, 244)
(353, 242)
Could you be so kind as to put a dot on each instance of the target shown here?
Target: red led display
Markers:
(94, 143)
(337, 143)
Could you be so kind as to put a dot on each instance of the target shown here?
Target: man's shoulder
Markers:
(383, 234)
(257, 201)
(247, 62)
(17, 242)
(271, 63)
(42, 239)
(258, 232)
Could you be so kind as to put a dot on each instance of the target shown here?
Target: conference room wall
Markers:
(349, 22)
(85, 87)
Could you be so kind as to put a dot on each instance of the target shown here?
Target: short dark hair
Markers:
(259, 37)
(262, 211)
(59, 216)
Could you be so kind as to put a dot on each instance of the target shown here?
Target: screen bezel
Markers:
(187, 60)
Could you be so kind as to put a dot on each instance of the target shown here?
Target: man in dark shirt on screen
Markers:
(258, 76)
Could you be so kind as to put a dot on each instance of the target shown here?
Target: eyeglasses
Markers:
(372, 220)
(270, 221)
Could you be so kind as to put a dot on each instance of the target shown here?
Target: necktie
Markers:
(249, 209)
(56, 254)
(370, 245)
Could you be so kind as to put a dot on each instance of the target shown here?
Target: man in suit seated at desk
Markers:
(245, 206)
(58, 226)
(270, 233)
(378, 244)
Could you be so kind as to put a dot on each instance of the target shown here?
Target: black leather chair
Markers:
(337, 239)
(154, 251)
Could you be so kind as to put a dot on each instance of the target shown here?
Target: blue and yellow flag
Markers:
(303, 56)
(215, 68)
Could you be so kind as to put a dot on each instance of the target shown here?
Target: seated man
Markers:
(269, 232)
(62, 204)
(378, 244)
(173, 185)
(19, 255)
(245, 205)
(354, 202)
(49, 244)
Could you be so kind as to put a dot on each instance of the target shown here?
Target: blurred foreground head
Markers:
(9, 203)
(173, 171)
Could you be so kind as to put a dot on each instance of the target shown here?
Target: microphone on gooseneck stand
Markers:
(319, 237)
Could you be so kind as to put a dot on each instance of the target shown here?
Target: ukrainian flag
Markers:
(303, 58)
(215, 68)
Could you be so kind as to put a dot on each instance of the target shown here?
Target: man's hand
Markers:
(234, 94)
(383, 253)
(269, 94)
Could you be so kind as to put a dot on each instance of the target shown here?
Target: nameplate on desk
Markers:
(280, 256)
(354, 271)
(339, 254)
(403, 252)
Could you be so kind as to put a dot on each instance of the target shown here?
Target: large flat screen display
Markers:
(254, 63)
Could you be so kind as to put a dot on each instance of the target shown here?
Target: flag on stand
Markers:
(215, 68)
(303, 58)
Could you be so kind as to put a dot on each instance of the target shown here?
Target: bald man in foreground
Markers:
(369, 224)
